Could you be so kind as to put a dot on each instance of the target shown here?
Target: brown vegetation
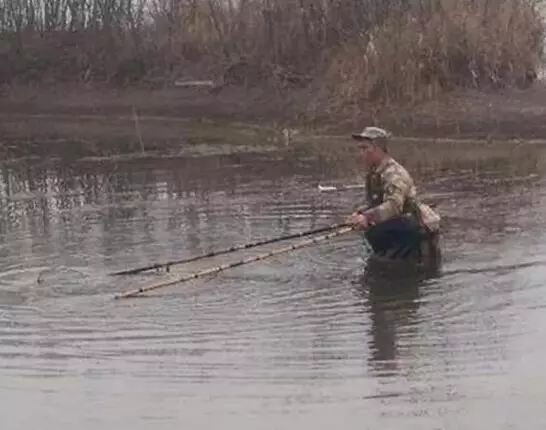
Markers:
(355, 50)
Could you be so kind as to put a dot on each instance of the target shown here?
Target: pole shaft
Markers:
(217, 269)
(227, 250)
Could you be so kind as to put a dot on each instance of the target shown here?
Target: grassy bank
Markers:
(351, 53)
(79, 72)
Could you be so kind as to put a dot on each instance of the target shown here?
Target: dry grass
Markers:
(414, 57)
(363, 50)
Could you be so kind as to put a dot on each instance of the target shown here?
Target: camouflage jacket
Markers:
(391, 192)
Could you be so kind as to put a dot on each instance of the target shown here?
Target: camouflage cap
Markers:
(372, 133)
(376, 135)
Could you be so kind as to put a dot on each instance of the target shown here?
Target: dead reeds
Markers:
(416, 55)
(362, 50)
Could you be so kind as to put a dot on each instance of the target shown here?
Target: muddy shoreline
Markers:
(76, 121)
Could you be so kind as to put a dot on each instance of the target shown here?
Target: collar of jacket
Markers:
(382, 166)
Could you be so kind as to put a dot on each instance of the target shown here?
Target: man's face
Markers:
(369, 153)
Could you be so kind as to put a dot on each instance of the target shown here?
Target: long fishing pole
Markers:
(168, 264)
(217, 269)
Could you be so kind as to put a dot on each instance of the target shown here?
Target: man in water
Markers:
(396, 225)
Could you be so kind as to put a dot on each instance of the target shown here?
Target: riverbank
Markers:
(80, 120)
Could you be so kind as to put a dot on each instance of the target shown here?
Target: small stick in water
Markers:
(137, 129)
(340, 188)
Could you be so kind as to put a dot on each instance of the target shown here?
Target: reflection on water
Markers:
(392, 305)
(306, 339)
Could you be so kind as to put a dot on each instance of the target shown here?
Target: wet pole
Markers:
(168, 264)
(138, 291)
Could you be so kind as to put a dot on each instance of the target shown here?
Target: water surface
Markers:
(307, 339)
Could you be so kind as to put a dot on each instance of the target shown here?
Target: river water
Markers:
(306, 339)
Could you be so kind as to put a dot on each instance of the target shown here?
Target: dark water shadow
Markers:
(391, 299)
(495, 269)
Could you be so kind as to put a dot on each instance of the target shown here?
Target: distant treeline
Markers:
(382, 50)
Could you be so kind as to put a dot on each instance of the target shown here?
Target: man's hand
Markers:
(358, 221)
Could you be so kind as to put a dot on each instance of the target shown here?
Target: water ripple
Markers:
(312, 335)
